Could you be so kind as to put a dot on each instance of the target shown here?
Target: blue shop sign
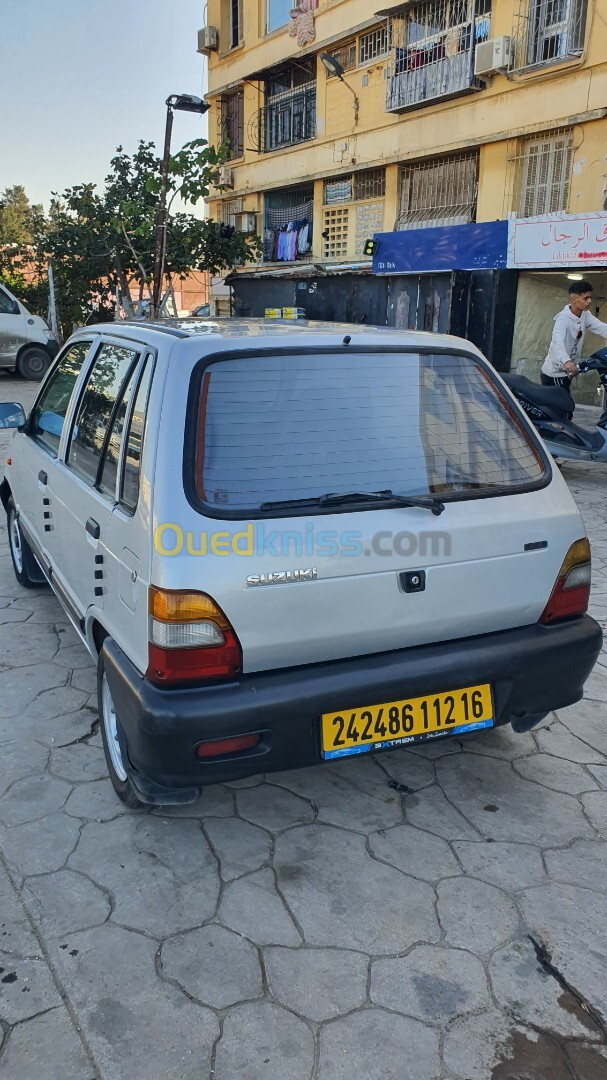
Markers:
(479, 246)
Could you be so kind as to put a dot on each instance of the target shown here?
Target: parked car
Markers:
(27, 346)
(285, 544)
(203, 311)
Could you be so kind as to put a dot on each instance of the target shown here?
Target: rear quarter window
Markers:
(286, 427)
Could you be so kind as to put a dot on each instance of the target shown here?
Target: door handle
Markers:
(93, 528)
(43, 478)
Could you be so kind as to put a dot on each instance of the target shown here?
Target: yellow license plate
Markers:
(396, 723)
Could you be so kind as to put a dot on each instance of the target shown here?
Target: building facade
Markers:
(441, 113)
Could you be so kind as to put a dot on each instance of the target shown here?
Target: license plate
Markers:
(398, 723)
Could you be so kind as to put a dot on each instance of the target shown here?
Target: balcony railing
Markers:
(285, 121)
(433, 53)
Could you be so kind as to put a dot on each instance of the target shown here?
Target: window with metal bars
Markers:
(231, 121)
(227, 210)
(345, 54)
(372, 45)
(441, 191)
(543, 171)
(432, 45)
(367, 184)
(289, 115)
(547, 31)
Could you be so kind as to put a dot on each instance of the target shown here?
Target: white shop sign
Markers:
(558, 240)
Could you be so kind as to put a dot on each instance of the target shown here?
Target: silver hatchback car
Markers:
(284, 544)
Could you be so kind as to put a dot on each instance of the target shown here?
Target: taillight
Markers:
(571, 593)
(190, 638)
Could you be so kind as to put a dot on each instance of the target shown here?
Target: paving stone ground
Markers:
(437, 913)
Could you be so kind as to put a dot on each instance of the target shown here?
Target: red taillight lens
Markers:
(220, 747)
(190, 639)
(571, 593)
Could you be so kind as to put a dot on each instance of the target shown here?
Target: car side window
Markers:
(48, 415)
(129, 494)
(6, 304)
(109, 373)
(109, 469)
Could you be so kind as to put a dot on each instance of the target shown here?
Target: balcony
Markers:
(433, 50)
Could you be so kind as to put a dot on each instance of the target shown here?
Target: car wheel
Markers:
(113, 742)
(26, 568)
(33, 363)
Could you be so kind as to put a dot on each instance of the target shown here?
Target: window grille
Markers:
(546, 31)
(289, 115)
(345, 55)
(542, 174)
(335, 233)
(432, 49)
(227, 210)
(372, 45)
(367, 184)
(231, 121)
(438, 192)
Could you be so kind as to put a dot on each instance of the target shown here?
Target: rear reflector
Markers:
(220, 747)
(571, 592)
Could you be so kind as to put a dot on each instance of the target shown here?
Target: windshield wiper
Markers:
(338, 498)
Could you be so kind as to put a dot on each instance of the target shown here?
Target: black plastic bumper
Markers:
(533, 670)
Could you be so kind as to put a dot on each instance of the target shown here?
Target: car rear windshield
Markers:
(296, 426)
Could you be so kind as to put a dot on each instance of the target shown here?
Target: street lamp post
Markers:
(334, 67)
(181, 103)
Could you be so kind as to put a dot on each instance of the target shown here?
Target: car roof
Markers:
(306, 333)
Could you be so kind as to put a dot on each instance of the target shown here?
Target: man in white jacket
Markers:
(559, 367)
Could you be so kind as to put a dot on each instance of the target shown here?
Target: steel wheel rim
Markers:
(110, 724)
(36, 363)
(17, 550)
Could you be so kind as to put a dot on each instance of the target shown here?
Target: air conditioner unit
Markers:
(245, 222)
(494, 55)
(225, 176)
(208, 40)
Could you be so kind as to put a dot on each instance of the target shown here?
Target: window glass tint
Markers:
(108, 373)
(6, 304)
(295, 427)
(277, 14)
(48, 415)
(109, 472)
(134, 445)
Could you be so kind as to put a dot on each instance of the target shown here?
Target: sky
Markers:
(79, 78)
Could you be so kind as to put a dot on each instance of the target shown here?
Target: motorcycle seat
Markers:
(555, 398)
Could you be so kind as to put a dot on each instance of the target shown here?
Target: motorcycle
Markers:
(550, 408)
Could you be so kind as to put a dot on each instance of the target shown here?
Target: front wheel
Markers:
(113, 742)
(33, 363)
(25, 566)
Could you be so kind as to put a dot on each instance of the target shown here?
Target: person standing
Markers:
(559, 367)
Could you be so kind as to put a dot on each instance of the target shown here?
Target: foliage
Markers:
(102, 239)
(17, 217)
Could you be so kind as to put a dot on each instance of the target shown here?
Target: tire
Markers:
(33, 363)
(25, 566)
(113, 742)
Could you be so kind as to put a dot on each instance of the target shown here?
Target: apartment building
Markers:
(347, 120)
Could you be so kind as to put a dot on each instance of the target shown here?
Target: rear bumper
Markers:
(533, 670)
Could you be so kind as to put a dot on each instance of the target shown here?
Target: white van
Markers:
(285, 544)
(27, 346)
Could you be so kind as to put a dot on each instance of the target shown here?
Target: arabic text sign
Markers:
(569, 240)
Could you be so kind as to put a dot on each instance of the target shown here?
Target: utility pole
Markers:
(52, 306)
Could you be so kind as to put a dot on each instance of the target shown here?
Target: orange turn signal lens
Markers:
(171, 605)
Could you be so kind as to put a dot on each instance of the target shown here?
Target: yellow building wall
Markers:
(573, 93)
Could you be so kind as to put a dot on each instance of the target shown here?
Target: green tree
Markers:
(17, 217)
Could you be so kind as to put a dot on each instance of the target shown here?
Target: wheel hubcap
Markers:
(110, 725)
(17, 550)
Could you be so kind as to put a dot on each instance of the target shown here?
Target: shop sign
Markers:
(554, 241)
(479, 246)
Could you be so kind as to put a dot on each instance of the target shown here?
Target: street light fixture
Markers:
(334, 67)
(179, 103)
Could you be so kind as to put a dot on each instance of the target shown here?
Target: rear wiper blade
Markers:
(336, 498)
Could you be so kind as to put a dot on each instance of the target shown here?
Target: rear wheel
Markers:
(113, 742)
(26, 568)
(33, 363)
